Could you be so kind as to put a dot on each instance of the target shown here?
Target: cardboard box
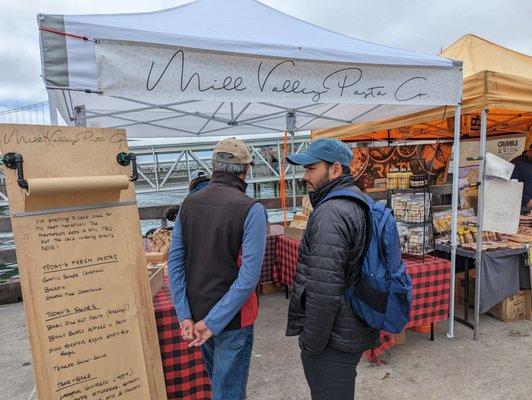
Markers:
(293, 233)
(460, 288)
(400, 338)
(267, 288)
(513, 308)
(529, 306)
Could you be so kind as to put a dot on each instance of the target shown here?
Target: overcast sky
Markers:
(424, 26)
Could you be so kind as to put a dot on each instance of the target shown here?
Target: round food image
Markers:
(381, 153)
(360, 161)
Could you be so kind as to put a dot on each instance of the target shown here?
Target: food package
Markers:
(300, 221)
(159, 241)
(307, 206)
(411, 207)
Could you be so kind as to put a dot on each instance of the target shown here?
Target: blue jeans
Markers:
(227, 358)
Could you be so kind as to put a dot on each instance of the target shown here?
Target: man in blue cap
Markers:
(331, 337)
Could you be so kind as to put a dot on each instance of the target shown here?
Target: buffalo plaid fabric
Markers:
(270, 259)
(430, 288)
(430, 297)
(185, 376)
(287, 252)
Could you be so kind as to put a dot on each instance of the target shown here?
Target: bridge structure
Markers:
(167, 164)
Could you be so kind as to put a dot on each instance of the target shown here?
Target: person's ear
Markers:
(335, 171)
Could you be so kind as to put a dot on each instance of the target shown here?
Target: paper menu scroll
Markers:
(72, 185)
(82, 267)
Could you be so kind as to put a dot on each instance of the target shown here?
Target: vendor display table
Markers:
(270, 259)
(185, 376)
(503, 273)
(430, 288)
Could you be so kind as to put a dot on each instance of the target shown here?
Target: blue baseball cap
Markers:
(330, 150)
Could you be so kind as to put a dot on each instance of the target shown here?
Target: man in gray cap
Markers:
(198, 180)
(331, 337)
(214, 266)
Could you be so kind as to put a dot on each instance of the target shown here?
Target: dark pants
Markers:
(331, 374)
(227, 358)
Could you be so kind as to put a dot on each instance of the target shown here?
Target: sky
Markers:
(425, 26)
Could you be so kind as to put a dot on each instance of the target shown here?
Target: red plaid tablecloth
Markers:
(287, 252)
(269, 263)
(185, 376)
(430, 288)
(430, 297)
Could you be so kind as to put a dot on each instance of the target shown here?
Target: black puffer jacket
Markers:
(329, 261)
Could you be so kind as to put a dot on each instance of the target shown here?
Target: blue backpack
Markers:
(383, 296)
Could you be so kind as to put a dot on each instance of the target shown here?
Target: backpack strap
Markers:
(368, 201)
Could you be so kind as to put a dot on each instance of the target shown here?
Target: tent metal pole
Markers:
(290, 127)
(480, 218)
(52, 108)
(454, 215)
(80, 116)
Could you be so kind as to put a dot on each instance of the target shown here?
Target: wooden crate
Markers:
(156, 278)
(156, 257)
(513, 308)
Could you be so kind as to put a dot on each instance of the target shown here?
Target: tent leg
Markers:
(480, 218)
(52, 108)
(80, 116)
(290, 127)
(454, 216)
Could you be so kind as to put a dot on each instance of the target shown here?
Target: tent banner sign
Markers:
(371, 165)
(506, 147)
(165, 73)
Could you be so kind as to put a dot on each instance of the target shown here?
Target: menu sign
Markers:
(84, 279)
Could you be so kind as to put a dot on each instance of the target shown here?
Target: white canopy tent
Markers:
(237, 66)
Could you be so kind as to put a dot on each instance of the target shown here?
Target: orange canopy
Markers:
(495, 78)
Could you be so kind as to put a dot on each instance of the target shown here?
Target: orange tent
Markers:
(495, 78)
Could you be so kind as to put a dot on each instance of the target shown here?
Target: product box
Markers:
(460, 287)
(513, 308)
(294, 233)
(400, 338)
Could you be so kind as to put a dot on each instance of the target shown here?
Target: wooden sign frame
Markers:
(93, 335)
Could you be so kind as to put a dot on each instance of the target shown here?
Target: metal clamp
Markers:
(125, 159)
(14, 161)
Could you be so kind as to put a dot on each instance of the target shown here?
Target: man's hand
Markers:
(202, 332)
(529, 204)
(187, 329)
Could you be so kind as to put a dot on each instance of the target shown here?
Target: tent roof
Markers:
(479, 55)
(495, 78)
(245, 27)
(102, 62)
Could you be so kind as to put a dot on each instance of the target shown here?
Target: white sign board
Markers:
(165, 74)
(502, 205)
(507, 148)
